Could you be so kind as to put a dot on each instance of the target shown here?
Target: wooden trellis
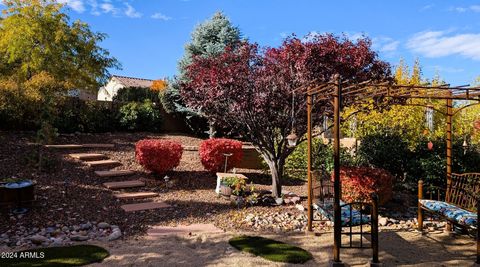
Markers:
(338, 93)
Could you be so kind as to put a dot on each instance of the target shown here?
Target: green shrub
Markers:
(322, 155)
(391, 152)
(75, 115)
(136, 116)
(136, 94)
(388, 151)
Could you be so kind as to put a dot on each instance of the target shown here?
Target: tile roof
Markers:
(133, 82)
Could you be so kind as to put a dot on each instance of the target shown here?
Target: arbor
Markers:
(208, 39)
(251, 90)
(42, 55)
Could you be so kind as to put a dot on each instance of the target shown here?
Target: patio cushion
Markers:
(461, 216)
(326, 210)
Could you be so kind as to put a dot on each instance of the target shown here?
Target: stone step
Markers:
(88, 156)
(144, 206)
(114, 173)
(124, 184)
(99, 163)
(99, 145)
(70, 146)
(136, 195)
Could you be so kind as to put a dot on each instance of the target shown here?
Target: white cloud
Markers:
(109, 8)
(475, 8)
(439, 44)
(160, 16)
(76, 5)
(93, 7)
(461, 9)
(446, 69)
(390, 47)
(427, 7)
(131, 12)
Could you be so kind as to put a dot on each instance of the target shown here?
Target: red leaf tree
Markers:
(250, 90)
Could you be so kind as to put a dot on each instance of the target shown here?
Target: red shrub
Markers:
(212, 153)
(158, 156)
(358, 183)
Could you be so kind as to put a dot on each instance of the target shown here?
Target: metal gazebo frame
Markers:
(337, 91)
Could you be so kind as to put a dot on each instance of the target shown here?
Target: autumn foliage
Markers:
(249, 89)
(358, 184)
(158, 85)
(212, 153)
(158, 156)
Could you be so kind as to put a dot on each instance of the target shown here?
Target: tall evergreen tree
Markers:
(208, 39)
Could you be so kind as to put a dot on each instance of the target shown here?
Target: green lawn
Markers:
(55, 256)
(270, 249)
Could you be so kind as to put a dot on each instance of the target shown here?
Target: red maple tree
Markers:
(249, 89)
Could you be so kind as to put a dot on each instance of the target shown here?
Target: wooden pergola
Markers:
(338, 93)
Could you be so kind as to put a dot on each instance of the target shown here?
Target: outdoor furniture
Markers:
(223, 175)
(352, 215)
(459, 204)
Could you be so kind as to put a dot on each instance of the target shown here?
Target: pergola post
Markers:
(309, 161)
(449, 144)
(337, 234)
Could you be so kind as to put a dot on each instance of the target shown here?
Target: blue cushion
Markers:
(454, 213)
(326, 210)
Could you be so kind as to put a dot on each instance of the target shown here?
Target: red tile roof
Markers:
(133, 82)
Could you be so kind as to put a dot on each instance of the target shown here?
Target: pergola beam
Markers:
(359, 93)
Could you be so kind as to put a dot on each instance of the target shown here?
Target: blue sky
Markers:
(148, 36)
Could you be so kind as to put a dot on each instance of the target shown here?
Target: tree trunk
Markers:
(211, 130)
(276, 170)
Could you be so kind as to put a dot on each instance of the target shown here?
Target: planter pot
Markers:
(12, 195)
(225, 190)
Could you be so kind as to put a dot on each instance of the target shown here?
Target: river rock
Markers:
(85, 226)
(103, 225)
(79, 238)
(116, 234)
(300, 207)
(382, 221)
(38, 239)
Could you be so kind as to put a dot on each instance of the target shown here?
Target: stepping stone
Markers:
(87, 156)
(99, 163)
(114, 173)
(124, 184)
(136, 195)
(64, 146)
(99, 145)
(183, 229)
(144, 206)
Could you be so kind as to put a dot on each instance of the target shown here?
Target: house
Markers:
(107, 92)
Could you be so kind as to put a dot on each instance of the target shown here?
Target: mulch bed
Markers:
(85, 199)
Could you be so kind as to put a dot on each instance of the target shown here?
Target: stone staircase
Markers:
(101, 160)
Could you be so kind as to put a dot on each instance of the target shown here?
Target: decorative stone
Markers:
(382, 221)
(79, 238)
(116, 234)
(103, 225)
(38, 239)
(85, 226)
(300, 207)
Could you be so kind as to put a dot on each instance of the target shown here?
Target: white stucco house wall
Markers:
(116, 82)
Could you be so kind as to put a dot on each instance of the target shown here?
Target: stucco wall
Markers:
(107, 92)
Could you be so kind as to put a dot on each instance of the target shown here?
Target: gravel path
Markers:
(397, 248)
